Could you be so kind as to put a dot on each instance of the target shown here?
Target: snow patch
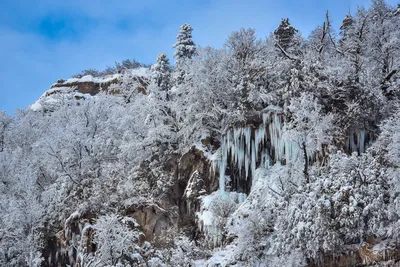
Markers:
(90, 78)
(142, 72)
(36, 106)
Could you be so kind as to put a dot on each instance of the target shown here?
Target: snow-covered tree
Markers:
(295, 108)
(162, 73)
(322, 39)
(387, 146)
(285, 36)
(246, 67)
(114, 239)
(383, 44)
(308, 127)
(185, 48)
(5, 122)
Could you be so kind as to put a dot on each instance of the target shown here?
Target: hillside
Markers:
(282, 151)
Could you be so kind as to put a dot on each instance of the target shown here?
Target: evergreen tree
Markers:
(285, 35)
(185, 48)
(247, 66)
(353, 41)
(162, 73)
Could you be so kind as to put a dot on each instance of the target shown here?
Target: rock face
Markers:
(127, 84)
(154, 220)
(194, 161)
(92, 86)
(194, 179)
(191, 178)
(158, 219)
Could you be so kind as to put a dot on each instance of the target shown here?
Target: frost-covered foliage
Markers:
(388, 143)
(126, 64)
(342, 206)
(213, 215)
(300, 136)
(162, 72)
(115, 239)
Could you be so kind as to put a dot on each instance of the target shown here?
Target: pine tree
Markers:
(162, 73)
(246, 66)
(285, 35)
(185, 48)
(353, 41)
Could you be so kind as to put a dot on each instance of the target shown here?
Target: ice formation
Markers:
(357, 141)
(209, 221)
(247, 149)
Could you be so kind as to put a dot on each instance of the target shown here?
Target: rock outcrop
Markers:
(127, 84)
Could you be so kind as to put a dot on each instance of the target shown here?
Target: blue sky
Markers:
(43, 40)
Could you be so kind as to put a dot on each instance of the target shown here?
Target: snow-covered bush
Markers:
(116, 238)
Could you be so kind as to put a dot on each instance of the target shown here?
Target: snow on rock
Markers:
(221, 257)
(52, 100)
(90, 78)
(136, 256)
(84, 87)
(36, 106)
(143, 72)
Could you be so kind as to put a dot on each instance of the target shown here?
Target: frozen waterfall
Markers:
(247, 149)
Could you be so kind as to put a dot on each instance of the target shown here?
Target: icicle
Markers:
(361, 141)
(241, 151)
(246, 166)
(267, 162)
(351, 143)
(311, 156)
(266, 117)
(265, 159)
(260, 136)
(249, 149)
(228, 141)
(357, 144)
(277, 143)
(245, 150)
(241, 197)
(253, 158)
(247, 134)
(214, 163)
(222, 167)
